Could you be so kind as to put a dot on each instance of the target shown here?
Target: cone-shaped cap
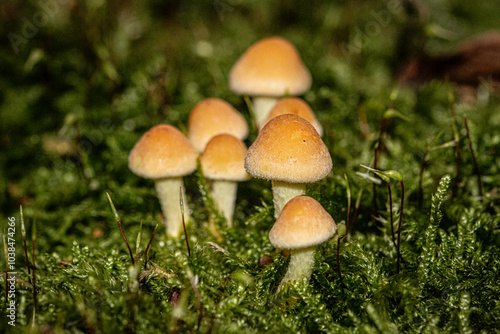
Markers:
(224, 158)
(303, 222)
(211, 117)
(163, 151)
(288, 149)
(294, 106)
(270, 67)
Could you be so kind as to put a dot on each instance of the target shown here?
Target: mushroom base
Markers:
(262, 106)
(285, 191)
(300, 266)
(167, 190)
(224, 195)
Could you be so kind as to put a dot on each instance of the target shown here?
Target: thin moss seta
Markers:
(474, 160)
(117, 217)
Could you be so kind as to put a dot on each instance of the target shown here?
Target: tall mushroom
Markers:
(302, 225)
(289, 152)
(267, 70)
(211, 117)
(164, 154)
(294, 106)
(222, 162)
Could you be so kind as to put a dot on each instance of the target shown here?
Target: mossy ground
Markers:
(77, 92)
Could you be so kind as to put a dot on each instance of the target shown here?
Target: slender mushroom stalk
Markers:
(285, 191)
(268, 70)
(302, 225)
(289, 152)
(300, 266)
(167, 190)
(262, 106)
(224, 195)
(222, 162)
(164, 154)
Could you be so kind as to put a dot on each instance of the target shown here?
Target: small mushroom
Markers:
(267, 70)
(302, 225)
(294, 106)
(164, 154)
(289, 152)
(222, 162)
(211, 117)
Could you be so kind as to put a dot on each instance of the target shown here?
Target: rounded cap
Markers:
(270, 67)
(163, 151)
(294, 106)
(303, 222)
(211, 117)
(288, 149)
(224, 159)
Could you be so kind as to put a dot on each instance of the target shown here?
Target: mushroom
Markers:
(211, 117)
(164, 154)
(295, 106)
(289, 152)
(268, 70)
(302, 225)
(222, 162)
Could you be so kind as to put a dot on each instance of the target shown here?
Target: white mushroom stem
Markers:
(285, 191)
(224, 195)
(167, 190)
(262, 106)
(300, 266)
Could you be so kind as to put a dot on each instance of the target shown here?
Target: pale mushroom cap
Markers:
(163, 151)
(270, 67)
(302, 223)
(211, 117)
(288, 149)
(294, 106)
(224, 159)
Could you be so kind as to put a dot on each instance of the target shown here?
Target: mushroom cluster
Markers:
(288, 151)
(215, 130)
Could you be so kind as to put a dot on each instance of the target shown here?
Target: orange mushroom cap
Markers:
(163, 151)
(303, 222)
(270, 67)
(224, 159)
(294, 106)
(288, 149)
(211, 117)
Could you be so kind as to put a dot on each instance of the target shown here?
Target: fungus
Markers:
(211, 117)
(267, 70)
(223, 163)
(289, 152)
(164, 154)
(294, 106)
(302, 225)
